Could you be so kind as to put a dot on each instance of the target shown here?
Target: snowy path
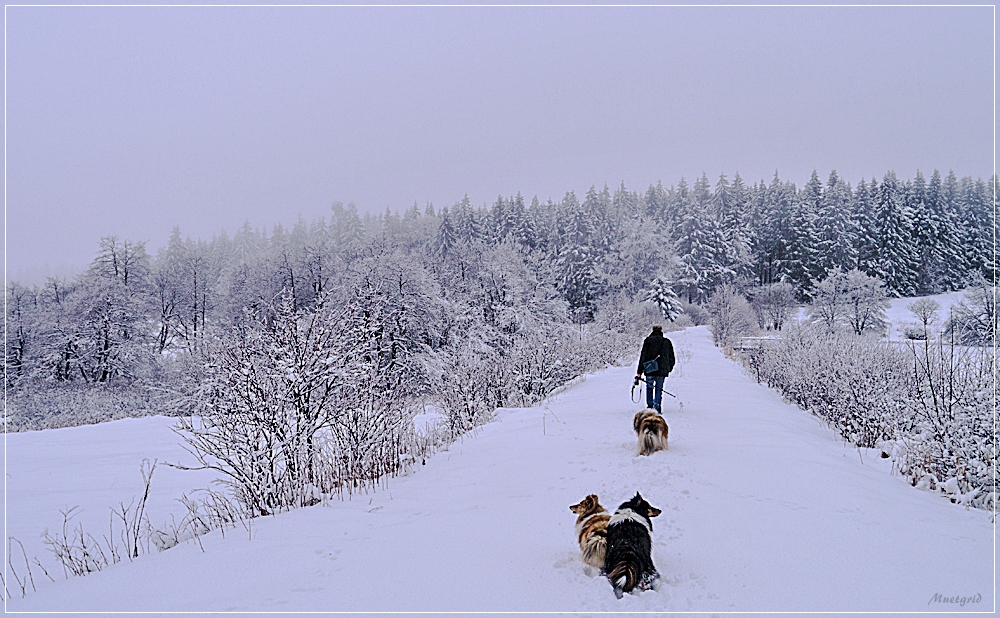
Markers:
(763, 510)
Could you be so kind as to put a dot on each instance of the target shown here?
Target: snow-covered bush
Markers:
(731, 316)
(298, 405)
(466, 383)
(470, 379)
(856, 383)
(829, 302)
(928, 404)
(866, 303)
(772, 304)
(71, 404)
(697, 314)
(974, 320)
(952, 407)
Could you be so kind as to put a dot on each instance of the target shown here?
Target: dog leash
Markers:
(648, 383)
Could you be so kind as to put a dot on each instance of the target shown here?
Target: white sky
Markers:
(130, 120)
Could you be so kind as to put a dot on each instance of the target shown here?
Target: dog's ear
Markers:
(653, 511)
(637, 421)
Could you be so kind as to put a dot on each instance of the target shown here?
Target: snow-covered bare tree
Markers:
(732, 316)
(772, 304)
(866, 304)
(830, 300)
(974, 319)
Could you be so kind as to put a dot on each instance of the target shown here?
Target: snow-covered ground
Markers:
(763, 510)
(899, 316)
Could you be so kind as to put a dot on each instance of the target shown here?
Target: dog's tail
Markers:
(648, 440)
(596, 550)
(623, 577)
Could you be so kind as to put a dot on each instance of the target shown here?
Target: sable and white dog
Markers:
(652, 431)
(592, 530)
(629, 562)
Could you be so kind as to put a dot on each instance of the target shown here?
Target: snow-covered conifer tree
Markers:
(835, 232)
(662, 295)
(865, 247)
(770, 230)
(702, 252)
(576, 264)
(895, 262)
(733, 208)
(446, 236)
(654, 203)
(801, 236)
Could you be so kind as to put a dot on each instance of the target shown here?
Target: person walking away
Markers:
(656, 361)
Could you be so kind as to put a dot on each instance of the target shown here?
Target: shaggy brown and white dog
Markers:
(592, 530)
(652, 431)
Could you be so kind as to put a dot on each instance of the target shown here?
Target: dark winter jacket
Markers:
(656, 345)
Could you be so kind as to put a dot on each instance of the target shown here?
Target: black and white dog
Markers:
(628, 562)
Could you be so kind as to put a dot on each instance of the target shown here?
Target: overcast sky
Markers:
(130, 121)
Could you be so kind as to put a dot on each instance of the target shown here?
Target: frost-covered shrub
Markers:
(695, 312)
(928, 404)
(866, 303)
(849, 301)
(974, 320)
(71, 404)
(466, 383)
(298, 405)
(952, 447)
(731, 316)
(470, 379)
(857, 384)
(829, 302)
(772, 304)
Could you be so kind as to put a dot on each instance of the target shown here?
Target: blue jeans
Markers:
(654, 392)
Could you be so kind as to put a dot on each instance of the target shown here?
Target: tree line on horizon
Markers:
(512, 265)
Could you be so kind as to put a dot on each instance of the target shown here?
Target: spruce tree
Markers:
(446, 237)
(576, 265)
(977, 205)
(801, 236)
(466, 226)
(951, 202)
(895, 263)
(865, 247)
(925, 235)
(771, 230)
(835, 233)
(662, 295)
(701, 249)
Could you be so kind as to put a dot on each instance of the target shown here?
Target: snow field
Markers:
(763, 508)
(899, 316)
